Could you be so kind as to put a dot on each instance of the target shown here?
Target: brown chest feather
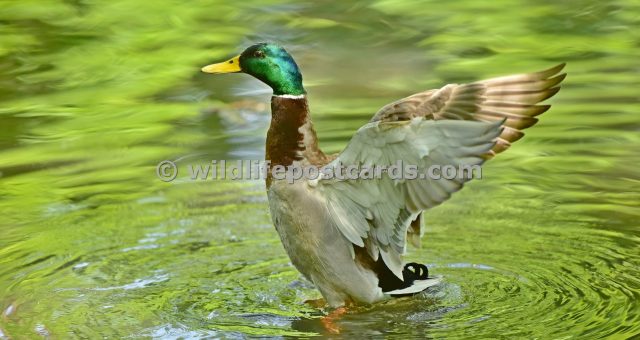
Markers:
(291, 136)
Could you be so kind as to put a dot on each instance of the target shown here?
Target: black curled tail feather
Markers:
(410, 273)
(415, 271)
(387, 280)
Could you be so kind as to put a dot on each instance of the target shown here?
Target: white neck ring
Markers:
(290, 96)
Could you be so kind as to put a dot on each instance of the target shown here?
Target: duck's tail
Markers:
(417, 287)
(416, 279)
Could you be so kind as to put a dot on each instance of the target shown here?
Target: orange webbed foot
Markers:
(328, 321)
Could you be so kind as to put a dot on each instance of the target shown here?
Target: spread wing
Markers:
(514, 98)
(375, 213)
(457, 125)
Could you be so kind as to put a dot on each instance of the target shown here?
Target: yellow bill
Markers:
(230, 66)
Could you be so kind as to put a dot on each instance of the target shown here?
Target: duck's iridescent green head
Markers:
(267, 62)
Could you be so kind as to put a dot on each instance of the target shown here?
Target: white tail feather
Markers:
(416, 287)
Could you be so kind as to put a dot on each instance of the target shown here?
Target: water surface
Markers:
(93, 94)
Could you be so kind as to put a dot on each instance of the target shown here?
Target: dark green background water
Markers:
(93, 94)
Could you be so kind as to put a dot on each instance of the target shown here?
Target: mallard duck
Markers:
(348, 237)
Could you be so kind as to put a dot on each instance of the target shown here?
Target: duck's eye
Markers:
(258, 54)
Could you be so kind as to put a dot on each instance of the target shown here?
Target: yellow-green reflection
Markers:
(93, 94)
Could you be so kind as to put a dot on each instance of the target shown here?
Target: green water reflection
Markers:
(93, 94)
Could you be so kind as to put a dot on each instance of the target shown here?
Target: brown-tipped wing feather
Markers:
(514, 98)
